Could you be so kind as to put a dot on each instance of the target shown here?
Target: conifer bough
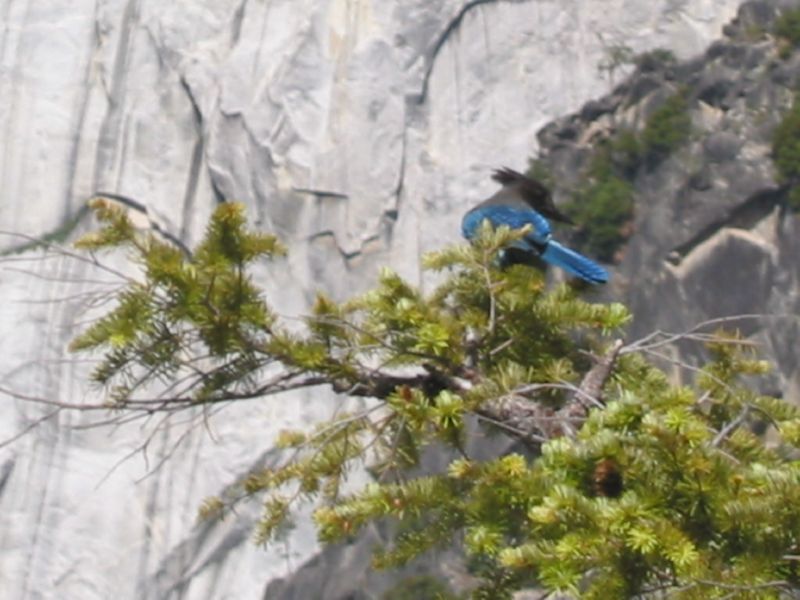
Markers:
(622, 484)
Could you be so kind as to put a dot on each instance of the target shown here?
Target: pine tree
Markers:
(625, 484)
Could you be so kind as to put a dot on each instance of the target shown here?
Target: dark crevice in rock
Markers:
(112, 123)
(743, 216)
(347, 256)
(401, 176)
(198, 154)
(5, 472)
(141, 208)
(158, 49)
(56, 236)
(390, 215)
(83, 111)
(216, 189)
(451, 27)
(321, 194)
(236, 23)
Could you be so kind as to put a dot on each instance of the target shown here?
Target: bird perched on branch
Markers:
(524, 201)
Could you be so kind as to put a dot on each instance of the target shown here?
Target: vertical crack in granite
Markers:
(52, 454)
(236, 23)
(112, 123)
(198, 155)
(393, 213)
(151, 505)
(82, 111)
(390, 214)
(451, 27)
(5, 472)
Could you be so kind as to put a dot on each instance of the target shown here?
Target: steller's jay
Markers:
(523, 201)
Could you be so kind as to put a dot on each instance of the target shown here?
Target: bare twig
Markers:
(730, 427)
(647, 343)
(32, 425)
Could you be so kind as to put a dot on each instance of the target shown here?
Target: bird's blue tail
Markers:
(574, 263)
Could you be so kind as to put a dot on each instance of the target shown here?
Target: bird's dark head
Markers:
(533, 193)
(530, 190)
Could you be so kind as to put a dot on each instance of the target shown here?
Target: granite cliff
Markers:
(358, 131)
(711, 231)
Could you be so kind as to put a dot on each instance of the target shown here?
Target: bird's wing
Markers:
(511, 216)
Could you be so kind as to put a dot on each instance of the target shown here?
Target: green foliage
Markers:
(624, 152)
(698, 506)
(787, 27)
(205, 304)
(786, 150)
(667, 128)
(420, 587)
(604, 204)
(538, 169)
(658, 489)
(653, 59)
(616, 56)
(57, 236)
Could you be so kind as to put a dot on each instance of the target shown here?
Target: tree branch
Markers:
(537, 422)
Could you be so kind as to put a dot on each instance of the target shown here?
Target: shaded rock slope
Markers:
(712, 233)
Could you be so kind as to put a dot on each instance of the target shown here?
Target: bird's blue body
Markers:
(514, 218)
(512, 208)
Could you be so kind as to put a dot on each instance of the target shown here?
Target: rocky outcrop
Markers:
(712, 234)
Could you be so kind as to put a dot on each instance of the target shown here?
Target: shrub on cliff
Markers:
(786, 151)
(666, 129)
(787, 26)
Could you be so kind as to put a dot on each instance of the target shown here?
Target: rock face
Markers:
(712, 231)
(358, 131)
(712, 236)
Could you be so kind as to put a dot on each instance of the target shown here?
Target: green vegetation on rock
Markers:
(653, 59)
(787, 27)
(786, 151)
(420, 587)
(604, 204)
(666, 129)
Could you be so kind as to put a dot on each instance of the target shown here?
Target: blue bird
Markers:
(523, 201)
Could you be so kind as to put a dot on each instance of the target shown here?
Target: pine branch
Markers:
(595, 379)
(534, 421)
